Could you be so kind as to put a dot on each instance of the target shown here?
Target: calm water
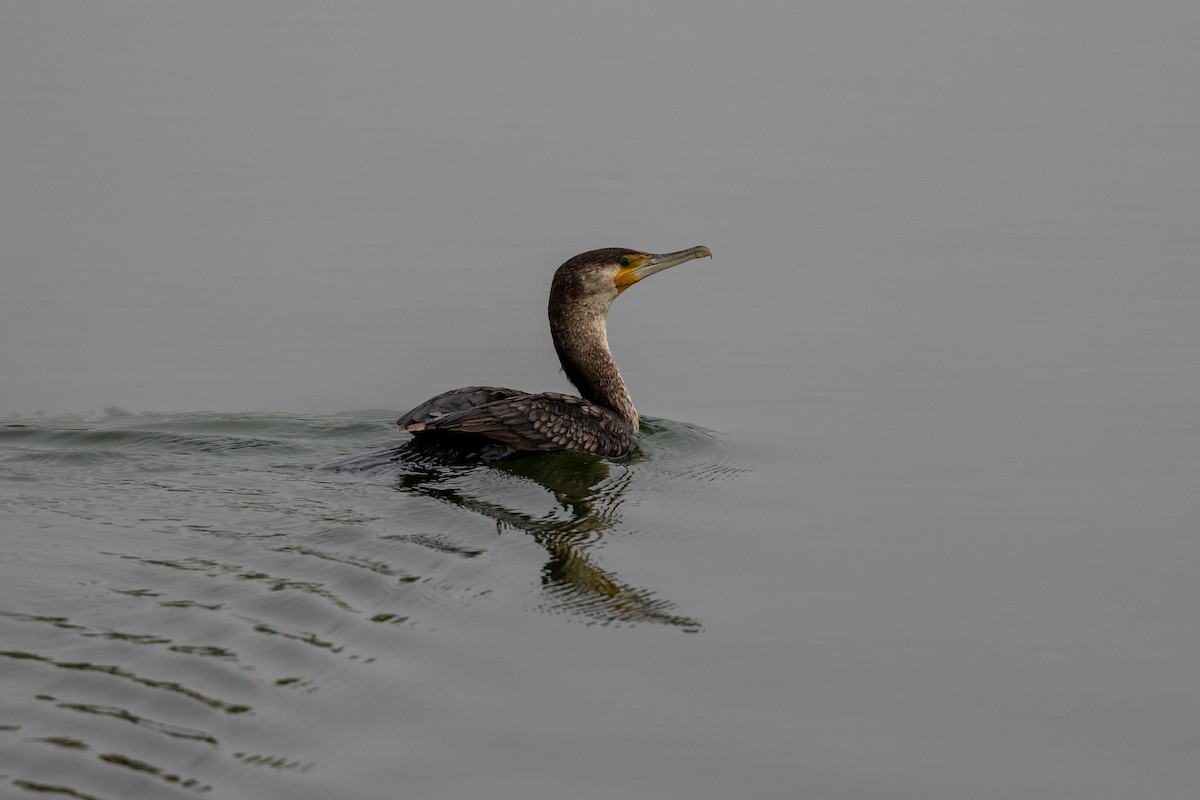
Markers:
(916, 508)
(192, 607)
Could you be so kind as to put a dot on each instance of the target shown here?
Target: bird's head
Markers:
(595, 278)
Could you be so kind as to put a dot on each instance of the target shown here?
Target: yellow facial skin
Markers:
(635, 266)
(628, 274)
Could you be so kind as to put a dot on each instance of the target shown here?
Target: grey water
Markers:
(915, 510)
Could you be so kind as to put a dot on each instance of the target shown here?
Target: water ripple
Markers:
(125, 674)
(189, 584)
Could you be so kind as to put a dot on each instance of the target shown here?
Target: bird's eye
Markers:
(624, 261)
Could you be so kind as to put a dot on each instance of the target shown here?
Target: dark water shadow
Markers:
(586, 493)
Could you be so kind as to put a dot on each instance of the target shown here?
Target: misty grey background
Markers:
(949, 331)
(258, 206)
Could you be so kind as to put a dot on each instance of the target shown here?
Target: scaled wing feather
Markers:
(547, 421)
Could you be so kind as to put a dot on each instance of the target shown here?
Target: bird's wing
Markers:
(454, 401)
(547, 421)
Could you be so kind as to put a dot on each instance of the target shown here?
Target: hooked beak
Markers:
(657, 263)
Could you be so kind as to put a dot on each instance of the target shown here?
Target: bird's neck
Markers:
(581, 339)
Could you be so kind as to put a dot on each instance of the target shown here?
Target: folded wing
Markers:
(520, 421)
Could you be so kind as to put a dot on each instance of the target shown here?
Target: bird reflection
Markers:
(587, 501)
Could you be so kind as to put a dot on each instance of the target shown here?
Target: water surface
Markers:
(915, 510)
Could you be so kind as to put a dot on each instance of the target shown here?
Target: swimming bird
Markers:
(492, 422)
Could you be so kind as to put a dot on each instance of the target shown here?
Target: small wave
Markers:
(686, 450)
(87, 446)
(199, 589)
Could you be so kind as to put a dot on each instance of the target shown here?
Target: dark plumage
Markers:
(494, 421)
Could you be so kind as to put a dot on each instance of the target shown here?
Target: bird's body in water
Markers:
(492, 422)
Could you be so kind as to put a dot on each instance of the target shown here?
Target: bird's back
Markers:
(519, 421)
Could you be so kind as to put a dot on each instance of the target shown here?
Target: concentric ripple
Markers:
(174, 585)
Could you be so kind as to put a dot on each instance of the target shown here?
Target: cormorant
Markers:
(494, 422)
